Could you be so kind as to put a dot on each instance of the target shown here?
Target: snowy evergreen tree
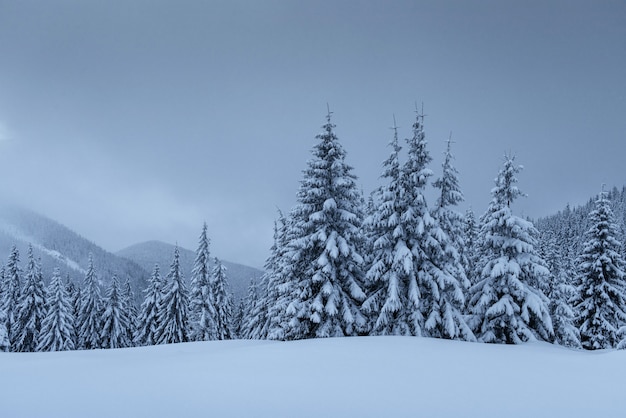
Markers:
(11, 295)
(505, 305)
(435, 261)
(5, 343)
(601, 304)
(148, 321)
(128, 304)
(251, 309)
(279, 290)
(173, 315)
(559, 293)
(222, 300)
(450, 220)
(31, 309)
(89, 318)
(394, 301)
(74, 297)
(327, 268)
(57, 331)
(239, 320)
(114, 319)
(470, 252)
(202, 309)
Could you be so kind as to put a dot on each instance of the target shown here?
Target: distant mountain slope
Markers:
(58, 246)
(146, 254)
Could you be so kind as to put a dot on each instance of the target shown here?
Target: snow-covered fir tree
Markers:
(601, 303)
(223, 301)
(202, 309)
(560, 292)
(57, 331)
(326, 264)
(470, 252)
(251, 309)
(5, 344)
(394, 299)
(114, 332)
(32, 307)
(173, 314)
(89, 318)
(435, 261)
(130, 309)
(450, 220)
(74, 297)
(148, 320)
(505, 305)
(11, 294)
(279, 290)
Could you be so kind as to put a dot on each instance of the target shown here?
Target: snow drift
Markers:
(339, 377)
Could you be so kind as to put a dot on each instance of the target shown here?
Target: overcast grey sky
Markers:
(137, 120)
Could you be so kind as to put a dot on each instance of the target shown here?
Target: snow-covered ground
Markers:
(346, 377)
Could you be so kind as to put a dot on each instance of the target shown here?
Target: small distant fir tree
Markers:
(601, 304)
(31, 309)
(11, 295)
(89, 318)
(114, 319)
(222, 300)
(470, 252)
(57, 331)
(325, 255)
(202, 308)
(130, 310)
(148, 320)
(560, 292)
(507, 308)
(173, 315)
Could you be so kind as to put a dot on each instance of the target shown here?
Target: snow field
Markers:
(338, 377)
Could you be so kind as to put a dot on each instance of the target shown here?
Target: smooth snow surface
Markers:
(341, 377)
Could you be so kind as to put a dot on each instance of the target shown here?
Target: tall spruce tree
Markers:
(435, 261)
(507, 308)
(601, 303)
(223, 301)
(148, 320)
(114, 332)
(327, 268)
(89, 319)
(202, 309)
(57, 330)
(173, 314)
(450, 220)
(32, 307)
(394, 299)
(11, 294)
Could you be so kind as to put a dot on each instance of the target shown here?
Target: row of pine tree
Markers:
(64, 316)
(343, 265)
(392, 265)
